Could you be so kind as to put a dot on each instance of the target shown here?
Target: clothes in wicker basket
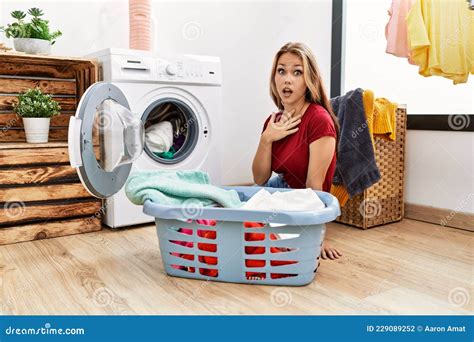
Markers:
(380, 122)
(380, 114)
(383, 202)
(356, 168)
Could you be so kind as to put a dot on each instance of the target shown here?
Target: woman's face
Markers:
(289, 79)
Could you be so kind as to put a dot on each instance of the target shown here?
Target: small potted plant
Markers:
(36, 109)
(31, 37)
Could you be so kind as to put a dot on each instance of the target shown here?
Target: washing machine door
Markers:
(104, 139)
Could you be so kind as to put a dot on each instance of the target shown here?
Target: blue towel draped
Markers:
(177, 188)
(355, 166)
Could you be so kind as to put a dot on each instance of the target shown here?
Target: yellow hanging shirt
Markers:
(441, 38)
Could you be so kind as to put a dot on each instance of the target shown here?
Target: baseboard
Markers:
(442, 217)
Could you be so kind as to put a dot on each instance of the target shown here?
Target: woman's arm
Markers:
(262, 162)
(321, 153)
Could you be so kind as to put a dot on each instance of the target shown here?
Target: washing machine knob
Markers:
(171, 69)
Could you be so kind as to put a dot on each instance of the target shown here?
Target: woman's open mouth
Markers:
(287, 92)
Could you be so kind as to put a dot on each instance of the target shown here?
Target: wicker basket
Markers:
(382, 203)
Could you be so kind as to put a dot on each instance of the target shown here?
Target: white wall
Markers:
(245, 34)
(439, 165)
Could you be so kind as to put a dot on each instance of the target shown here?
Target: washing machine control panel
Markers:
(131, 66)
(171, 69)
(179, 70)
(189, 71)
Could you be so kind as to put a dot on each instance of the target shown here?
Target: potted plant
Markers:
(36, 109)
(31, 37)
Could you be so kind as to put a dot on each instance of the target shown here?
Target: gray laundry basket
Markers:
(186, 251)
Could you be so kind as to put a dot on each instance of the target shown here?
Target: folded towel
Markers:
(356, 168)
(176, 187)
(159, 137)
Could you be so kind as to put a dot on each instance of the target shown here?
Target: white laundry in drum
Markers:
(159, 137)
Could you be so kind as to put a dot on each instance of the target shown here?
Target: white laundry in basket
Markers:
(293, 200)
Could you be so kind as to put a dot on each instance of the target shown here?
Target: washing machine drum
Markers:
(171, 130)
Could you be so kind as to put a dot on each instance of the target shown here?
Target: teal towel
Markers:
(175, 187)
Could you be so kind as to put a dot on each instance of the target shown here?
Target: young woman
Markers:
(299, 141)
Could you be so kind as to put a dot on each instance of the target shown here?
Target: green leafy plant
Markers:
(38, 28)
(33, 103)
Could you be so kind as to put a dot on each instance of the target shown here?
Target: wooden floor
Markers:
(404, 268)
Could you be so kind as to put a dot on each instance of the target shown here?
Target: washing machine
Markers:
(108, 136)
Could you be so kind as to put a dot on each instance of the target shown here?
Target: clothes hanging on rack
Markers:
(396, 28)
(440, 37)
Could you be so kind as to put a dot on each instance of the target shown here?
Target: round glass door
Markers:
(120, 135)
(104, 139)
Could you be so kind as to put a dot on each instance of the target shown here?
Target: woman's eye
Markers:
(281, 71)
(298, 73)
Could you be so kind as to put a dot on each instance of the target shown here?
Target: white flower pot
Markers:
(32, 46)
(36, 129)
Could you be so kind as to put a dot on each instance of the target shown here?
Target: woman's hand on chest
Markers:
(277, 130)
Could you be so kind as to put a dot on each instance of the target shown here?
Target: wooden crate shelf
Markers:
(40, 194)
(63, 77)
(46, 229)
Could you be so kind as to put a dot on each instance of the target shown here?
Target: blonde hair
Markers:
(315, 90)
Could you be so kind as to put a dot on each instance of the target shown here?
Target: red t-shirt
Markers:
(290, 155)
